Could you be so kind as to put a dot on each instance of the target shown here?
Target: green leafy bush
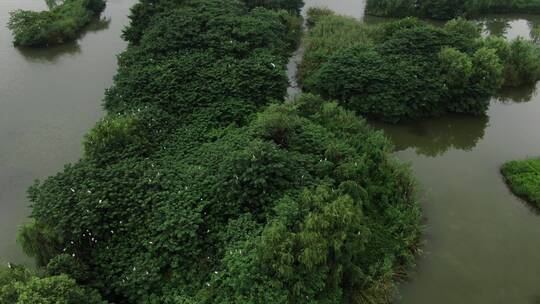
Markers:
(523, 177)
(390, 88)
(233, 34)
(520, 59)
(187, 81)
(61, 24)
(135, 132)
(409, 69)
(20, 286)
(457, 68)
(39, 242)
(68, 264)
(201, 54)
(144, 12)
(522, 66)
(9, 277)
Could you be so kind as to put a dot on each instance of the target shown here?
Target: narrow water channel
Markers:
(482, 243)
(49, 99)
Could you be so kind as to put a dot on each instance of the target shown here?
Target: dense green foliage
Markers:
(293, 6)
(409, 69)
(200, 187)
(327, 34)
(144, 13)
(523, 177)
(20, 286)
(39, 242)
(309, 178)
(60, 24)
(521, 60)
(448, 9)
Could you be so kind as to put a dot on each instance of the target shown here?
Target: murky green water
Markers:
(49, 99)
(482, 244)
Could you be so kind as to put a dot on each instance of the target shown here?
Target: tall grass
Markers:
(332, 33)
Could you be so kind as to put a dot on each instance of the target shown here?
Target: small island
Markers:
(523, 178)
(409, 69)
(61, 23)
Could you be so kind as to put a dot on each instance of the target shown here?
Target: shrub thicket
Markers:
(410, 69)
(189, 81)
(188, 193)
(205, 219)
(144, 13)
(448, 9)
(520, 59)
(227, 34)
(523, 178)
(20, 286)
(60, 24)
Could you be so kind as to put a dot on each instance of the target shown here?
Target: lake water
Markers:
(49, 98)
(482, 244)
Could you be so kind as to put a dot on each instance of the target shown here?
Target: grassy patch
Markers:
(329, 33)
(523, 178)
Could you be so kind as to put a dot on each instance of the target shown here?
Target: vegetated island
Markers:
(61, 23)
(523, 178)
(449, 9)
(409, 69)
(201, 186)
